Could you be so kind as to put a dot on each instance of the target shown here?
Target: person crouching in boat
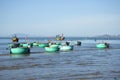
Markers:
(15, 41)
(107, 44)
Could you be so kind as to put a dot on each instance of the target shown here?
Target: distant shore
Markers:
(81, 38)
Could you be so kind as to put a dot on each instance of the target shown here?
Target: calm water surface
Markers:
(85, 62)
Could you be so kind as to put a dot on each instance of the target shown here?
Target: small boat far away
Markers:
(60, 37)
(102, 45)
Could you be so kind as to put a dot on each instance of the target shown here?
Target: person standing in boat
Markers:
(62, 37)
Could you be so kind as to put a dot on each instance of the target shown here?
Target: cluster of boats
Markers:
(24, 48)
(49, 47)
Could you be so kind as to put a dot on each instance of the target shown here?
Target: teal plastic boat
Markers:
(102, 45)
(35, 44)
(66, 48)
(20, 50)
(43, 45)
(54, 45)
(12, 45)
(51, 49)
(78, 43)
(27, 44)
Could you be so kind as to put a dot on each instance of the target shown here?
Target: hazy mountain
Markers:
(20, 35)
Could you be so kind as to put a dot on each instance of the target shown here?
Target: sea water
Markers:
(85, 62)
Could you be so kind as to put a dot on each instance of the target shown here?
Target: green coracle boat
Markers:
(20, 50)
(43, 45)
(35, 44)
(27, 44)
(102, 45)
(54, 45)
(51, 49)
(78, 43)
(66, 48)
(58, 43)
(12, 45)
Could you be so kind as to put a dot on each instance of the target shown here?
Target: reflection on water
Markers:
(51, 53)
(80, 64)
(19, 55)
(83, 63)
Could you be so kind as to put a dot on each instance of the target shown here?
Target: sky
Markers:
(52, 17)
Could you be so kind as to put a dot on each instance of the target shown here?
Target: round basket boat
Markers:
(27, 44)
(35, 44)
(20, 50)
(43, 45)
(66, 48)
(78, 43)
(54, 45)
(102, 45)
(51, 49)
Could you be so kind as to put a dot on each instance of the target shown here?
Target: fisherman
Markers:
(67, 43)
(62, 37)
(107, 44)
(78, 43)
(15, 41)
